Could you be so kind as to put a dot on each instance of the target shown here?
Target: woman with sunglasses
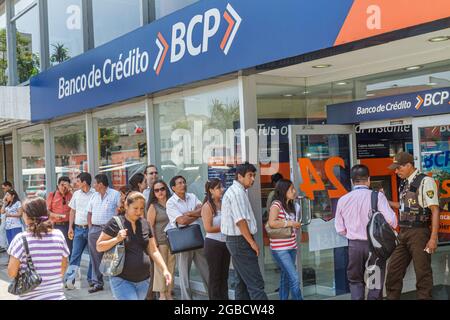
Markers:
(216, 252)
(158, 219)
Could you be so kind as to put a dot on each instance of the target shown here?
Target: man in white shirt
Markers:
(103, 205)
(78, 218)
(184, 209)
(239, 225)
(151, 175)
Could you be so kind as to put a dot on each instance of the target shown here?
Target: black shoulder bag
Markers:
(27, 279)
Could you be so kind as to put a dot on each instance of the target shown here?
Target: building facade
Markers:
(197, 87)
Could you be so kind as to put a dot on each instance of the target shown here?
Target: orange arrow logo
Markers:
(419, 102)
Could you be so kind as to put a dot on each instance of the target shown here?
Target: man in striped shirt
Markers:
(239, 225)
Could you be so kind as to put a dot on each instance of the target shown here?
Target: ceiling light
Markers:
(305, 92)
(370, 94)
(341, 83)
(439, 39)
(413, 68)
(322, 66)
(287, 95)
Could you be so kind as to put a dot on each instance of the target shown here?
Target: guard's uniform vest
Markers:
(412, 215)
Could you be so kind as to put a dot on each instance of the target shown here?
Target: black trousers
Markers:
(358, 253)
(250, 283)
(218, 258)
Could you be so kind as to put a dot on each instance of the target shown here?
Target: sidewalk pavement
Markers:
(81, 291)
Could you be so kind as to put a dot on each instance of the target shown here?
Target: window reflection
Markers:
(33, 164)
(3, 53)
(70, 150)
(192, 136)
(127, 17)
(65, 22)
(28, 63)
(20, 5)
(122, 145)
(165, 7)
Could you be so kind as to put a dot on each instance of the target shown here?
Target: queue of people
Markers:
(72, 223)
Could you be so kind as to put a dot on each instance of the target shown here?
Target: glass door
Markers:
(320, 160)
(431, 140)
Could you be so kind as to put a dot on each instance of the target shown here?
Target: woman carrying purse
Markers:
(134, 280)
(48, 251)
(284, 251)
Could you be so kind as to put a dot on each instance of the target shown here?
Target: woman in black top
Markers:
(134, 281)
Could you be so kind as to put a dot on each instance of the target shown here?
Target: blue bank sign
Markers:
(202, 41)
(417, 104)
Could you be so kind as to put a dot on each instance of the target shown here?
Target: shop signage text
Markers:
(418, 104)
(202, 41)
(308, 170)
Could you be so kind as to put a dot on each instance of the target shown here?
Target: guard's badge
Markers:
(430, 194)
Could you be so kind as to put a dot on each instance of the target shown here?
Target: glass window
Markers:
(3, 53)
(19, 5)
(28, 45)
(33, 163)
(65, 28)
(193, 136)
(195, 139)
(113, 18)
(6, 160)
(70, 150)
(122, 145)
(165, 7)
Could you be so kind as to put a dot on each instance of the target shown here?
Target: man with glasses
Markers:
(184, 209)
(58, 207)
(418, 208)
(151, 175)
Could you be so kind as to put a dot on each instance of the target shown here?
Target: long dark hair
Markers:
(211, 184)
(135, 180)
(281, 188)
(14, 195)
(152, 199)
(36, 211)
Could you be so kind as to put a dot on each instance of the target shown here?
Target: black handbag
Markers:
(27, 279)
(113, 260)
(186, 238)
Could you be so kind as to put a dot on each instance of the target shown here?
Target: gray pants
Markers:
(358, 253)
(184, 260)
(250, 283)
(96, 257)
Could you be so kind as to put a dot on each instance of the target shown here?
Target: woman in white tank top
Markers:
(216, 252)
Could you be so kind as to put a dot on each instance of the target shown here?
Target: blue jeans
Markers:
(11, 233)
(289, 280)
(80, 242)
(127, 290)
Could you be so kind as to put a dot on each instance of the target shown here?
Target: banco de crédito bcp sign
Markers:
(415, 104)
(202, 41)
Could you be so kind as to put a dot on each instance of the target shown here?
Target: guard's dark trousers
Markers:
(412, 244)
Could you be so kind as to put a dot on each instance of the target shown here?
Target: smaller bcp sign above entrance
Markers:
(417, 104)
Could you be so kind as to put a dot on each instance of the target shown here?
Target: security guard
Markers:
(418, 207)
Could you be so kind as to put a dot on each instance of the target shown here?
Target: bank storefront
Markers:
(221, 82)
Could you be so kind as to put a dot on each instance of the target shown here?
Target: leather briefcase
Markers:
(186, 238)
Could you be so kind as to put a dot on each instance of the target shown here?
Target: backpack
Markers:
(382, 238)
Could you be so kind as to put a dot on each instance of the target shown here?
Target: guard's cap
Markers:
(401, 159)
